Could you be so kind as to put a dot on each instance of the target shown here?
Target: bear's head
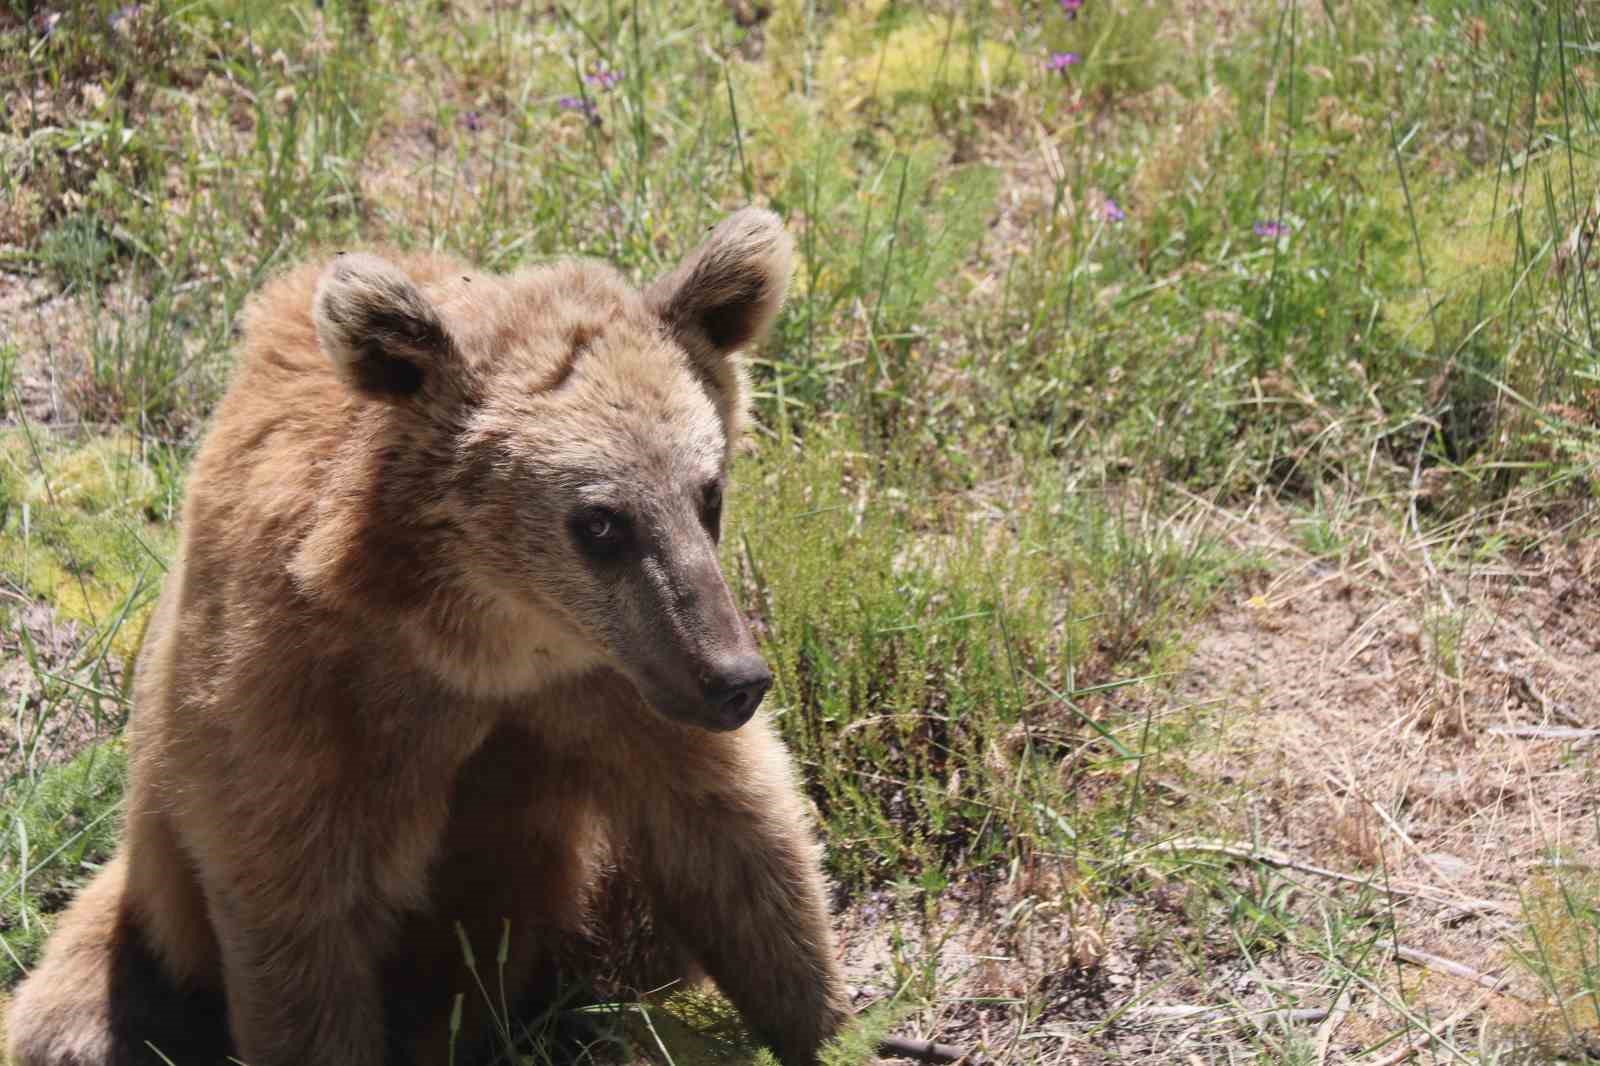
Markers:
(539, 464)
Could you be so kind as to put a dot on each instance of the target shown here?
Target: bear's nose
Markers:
(733, 695)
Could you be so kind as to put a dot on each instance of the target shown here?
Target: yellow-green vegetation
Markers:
(62, 823)
(1117, 326)
(879, 591)
(893, 57)
(1563, 945)
(90, 525)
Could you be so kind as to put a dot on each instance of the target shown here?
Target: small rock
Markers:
(1451, 866)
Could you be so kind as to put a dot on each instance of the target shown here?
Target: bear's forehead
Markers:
(580, 373)
(620, 407)
(621, 375)
(624, 458)
(636, 416)
(539, 316)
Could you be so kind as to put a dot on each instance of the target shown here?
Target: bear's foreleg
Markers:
(306, 898)
(308, 995)
(732, 861)
(100, 997)
(63, 1013)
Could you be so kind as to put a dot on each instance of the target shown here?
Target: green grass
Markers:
(1563, 947)
(1005, 432)
(909, 633)
(61, 823)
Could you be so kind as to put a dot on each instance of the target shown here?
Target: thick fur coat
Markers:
(447, 642)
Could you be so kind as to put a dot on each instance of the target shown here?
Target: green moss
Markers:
(87, 527)
(1561, 944)
(898, 57)
(698, 1026)
(1469, 241)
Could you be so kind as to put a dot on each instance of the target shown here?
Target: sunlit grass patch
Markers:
(1561, 945)
(933, 663)
(1120, 46)
(87, 527)
(894, 57)
(59, 826)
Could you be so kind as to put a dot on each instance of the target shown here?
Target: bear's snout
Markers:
(733, 695)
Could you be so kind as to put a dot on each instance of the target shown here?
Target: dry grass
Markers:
(1176, 602)
(1348, 733)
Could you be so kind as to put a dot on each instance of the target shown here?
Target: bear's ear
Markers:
(382, 334)
(726, 293)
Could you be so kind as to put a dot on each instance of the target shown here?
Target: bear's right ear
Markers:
(724, 296)
(383, 336)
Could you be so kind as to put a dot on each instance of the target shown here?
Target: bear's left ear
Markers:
(381, 333)
(724, 296)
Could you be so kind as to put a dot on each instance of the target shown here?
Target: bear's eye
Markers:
(711, 509)
(599, 532)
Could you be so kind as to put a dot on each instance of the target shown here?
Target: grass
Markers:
(1100, 393)
(60, 822)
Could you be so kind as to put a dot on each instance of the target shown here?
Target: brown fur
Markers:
(386, 691)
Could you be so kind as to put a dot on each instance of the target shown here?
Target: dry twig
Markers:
(1185, 1012)
(1440, 964)
(1279, 859)
(1542, 732)
(899, 1047)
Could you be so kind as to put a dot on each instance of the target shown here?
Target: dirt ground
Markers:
(40, 728)
(40, 322)
(1390, 738)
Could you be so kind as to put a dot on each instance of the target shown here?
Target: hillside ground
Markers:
(1170, 516)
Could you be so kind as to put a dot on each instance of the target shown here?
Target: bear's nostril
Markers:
(736, 705)
(736, 698)
(743, 702)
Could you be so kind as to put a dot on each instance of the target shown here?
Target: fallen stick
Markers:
(1279, 859)
(1440, 964)
(899, 1047)
(1193, 1013)
(1262, 855)
(1542, 732)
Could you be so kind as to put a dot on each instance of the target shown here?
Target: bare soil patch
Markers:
(1428, 739)
(50, 335)
(48, 718)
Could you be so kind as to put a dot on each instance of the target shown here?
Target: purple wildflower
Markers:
(583, 105)
(603, 78)
(121, 15)
(1070, 8)
(1271, 227)
(45, 22)
(1112, 212)
(1060, 61)
(472, 122)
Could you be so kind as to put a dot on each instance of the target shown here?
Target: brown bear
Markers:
(446, 641)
